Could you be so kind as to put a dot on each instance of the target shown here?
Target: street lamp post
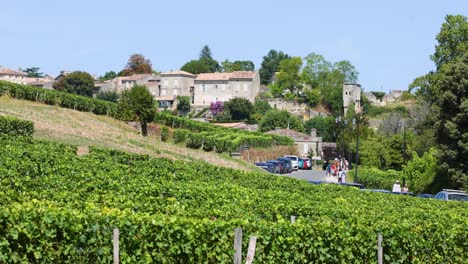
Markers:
(338, 123)
(356, 123)
(402, 124)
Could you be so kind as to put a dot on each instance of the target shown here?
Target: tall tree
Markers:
(348, 70)
(34, 72)
(452, 120)
(289, 78)
(205, 53)
(270, 65)
(452, 40)
(78, 82)
(139, 101)
(136, 64)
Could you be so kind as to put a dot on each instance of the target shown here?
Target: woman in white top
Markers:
(396, 187)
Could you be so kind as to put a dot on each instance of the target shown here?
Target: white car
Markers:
(295, 161)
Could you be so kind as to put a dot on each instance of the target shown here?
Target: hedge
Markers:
(16, 127)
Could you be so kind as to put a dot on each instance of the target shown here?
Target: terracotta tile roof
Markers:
(242, 75)
(216, 76)
(135, 77)
(225, 76)
(11, 72)
(178, 72)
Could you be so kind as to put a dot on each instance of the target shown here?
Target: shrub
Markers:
(15, 127)
(373, 178)
(180, 135)
(164, 133)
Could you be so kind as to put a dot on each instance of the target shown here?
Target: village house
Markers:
(306, 144)
(173, 84)
(223, 86)
(119, 84)
(13, 76)
(20, 77)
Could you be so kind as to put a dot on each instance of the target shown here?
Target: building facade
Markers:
(352, 95)
(307, 145)
(223, 86)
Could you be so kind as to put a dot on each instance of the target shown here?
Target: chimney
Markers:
(313, 132)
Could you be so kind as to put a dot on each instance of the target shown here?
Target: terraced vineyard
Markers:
(58, 207)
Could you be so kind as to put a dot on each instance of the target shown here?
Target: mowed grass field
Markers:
(87, 129)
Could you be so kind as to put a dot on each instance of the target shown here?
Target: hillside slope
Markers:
(87, 129)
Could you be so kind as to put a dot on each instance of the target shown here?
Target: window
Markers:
(163, 92)
(176, 83)
(245, 87)
(204, 88)
(174, 92)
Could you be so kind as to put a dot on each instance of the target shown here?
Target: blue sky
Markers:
(389, 43)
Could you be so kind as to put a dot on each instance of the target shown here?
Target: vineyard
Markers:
(212, 138)
(58, 207)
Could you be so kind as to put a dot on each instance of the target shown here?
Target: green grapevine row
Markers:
(60, 207)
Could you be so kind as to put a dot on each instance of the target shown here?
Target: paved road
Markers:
(310, 175)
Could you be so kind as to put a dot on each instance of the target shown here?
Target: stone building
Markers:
(391, 97)
(13, 76)
(351, 95)
(306, 144)
(20, 77)
(119, 84)
(173, 84)
(224, 86)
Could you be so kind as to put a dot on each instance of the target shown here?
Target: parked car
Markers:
(301, 164)
(266, 166)
(308, 162)
(287, 163)
(295, 161)
(277, 166)
(452, 195)
(425, 195)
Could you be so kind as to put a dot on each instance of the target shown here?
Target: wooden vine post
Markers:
(238, 245)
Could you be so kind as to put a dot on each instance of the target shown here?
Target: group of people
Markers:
(397, 187)
(337, 168)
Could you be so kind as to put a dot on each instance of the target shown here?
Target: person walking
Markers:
(396, 187)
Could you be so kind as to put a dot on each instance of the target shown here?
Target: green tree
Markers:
(420, 172)
(348, 70)
(78, 82)
(452, 40)
(270, 65)
(183, 104)
(195, 67)
(228, 66)
(110, 96)
(451, 108)
(261, 107)
(239, 108)
(108, 75)
(280, 118)
(312, 96)
(33, 72)
(324, 126)
(205, 53)
(328, 78)
(137, 64)
(289, 77)
(139, 101)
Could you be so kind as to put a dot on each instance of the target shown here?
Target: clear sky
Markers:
(389, 42)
